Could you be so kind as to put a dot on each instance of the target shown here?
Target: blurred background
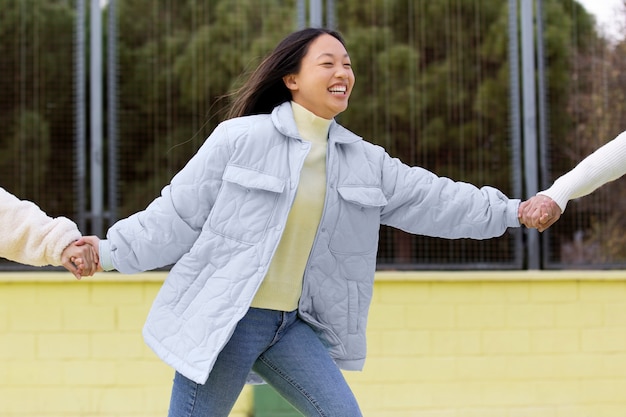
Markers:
(102, 102)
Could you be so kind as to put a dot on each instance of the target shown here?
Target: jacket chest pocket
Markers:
(245, 204)
(358, 222)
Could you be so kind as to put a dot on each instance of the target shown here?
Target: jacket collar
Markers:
(282, 117)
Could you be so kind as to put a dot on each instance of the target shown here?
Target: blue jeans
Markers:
(286, 353)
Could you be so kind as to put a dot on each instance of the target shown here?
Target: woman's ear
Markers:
(290, 82)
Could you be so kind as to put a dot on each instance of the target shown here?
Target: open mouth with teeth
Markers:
(341, 90)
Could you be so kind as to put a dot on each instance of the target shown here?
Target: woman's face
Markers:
(325, 80)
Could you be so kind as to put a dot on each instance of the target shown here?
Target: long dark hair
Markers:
(265, 88)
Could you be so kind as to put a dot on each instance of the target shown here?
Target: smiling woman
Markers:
(273, 230)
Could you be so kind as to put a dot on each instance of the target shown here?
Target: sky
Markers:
(608, 14)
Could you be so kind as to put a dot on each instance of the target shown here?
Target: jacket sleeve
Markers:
(422, 203)
(167, 229)
(606, 164)
(29, 235)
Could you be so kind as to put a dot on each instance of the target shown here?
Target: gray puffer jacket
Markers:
(220, 219)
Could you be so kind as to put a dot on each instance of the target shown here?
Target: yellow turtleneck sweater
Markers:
(282, 285)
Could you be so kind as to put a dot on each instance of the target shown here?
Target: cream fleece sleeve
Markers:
(29, 236)
(606, 164)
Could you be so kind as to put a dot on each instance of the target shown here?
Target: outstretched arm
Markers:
(29, 235)
(606, 164)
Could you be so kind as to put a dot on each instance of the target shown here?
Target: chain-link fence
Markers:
(439, 84)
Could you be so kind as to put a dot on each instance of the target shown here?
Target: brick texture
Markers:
(74, 348)
(496, 344)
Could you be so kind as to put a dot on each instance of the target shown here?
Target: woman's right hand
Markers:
(539, 212)
(94, 241)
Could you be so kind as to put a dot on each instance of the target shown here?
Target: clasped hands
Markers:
(539, 212)
(81, 258)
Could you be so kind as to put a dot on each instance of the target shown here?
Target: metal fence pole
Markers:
(95, 71)
(530, 122)
(301, 14)
(331, 17)
(112, 113)
(515, 118)
(544, 168)
(315, 13)
(80, 106)
(544, 160)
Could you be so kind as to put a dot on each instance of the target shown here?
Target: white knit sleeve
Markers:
(606, 164)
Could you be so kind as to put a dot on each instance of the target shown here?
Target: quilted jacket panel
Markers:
(220, 219)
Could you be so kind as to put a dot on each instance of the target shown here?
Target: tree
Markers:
(432, 88)
(177, 62)
(592, 230)
(36, 111)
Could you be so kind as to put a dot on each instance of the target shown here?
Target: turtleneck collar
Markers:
(310, 126)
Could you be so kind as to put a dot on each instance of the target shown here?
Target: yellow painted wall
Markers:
(441, 344)
(74, 348)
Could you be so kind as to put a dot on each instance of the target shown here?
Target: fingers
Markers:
(81, 257)
(67, 261)
(90, 245)
(96, 267)
(550, 212)
(91, 240)
(539, 212)
(69, 265)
